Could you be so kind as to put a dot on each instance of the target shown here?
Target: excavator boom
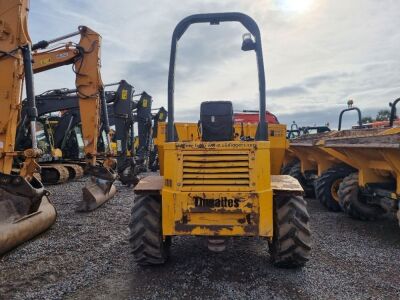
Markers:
(123, 112)
(85, 58)
(25, 210)
(54, 58)
(13, 35)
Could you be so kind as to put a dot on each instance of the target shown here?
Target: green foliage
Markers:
(383, 115)
(367, 120)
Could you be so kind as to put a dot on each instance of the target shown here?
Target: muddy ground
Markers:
(86, 256)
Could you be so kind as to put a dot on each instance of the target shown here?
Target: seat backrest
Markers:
(216, 121)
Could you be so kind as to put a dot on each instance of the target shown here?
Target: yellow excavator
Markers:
(25, 210)
(85, 59)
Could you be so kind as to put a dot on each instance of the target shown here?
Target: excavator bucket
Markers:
(25, 210)
(128, 172)
(99, 190)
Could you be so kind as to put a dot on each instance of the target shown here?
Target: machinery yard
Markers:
(86, 256)
(111, 191)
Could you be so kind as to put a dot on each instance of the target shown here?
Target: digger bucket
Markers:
(99, 190)
(128, 172)
(25, 211)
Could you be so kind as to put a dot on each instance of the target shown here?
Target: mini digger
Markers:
(222, 184)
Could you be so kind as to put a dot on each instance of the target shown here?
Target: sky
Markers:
(318, 54)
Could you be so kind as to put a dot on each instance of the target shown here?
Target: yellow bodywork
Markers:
(311, 154)
(13, 34)
(219, 188)
(374, 153)
(189, 132)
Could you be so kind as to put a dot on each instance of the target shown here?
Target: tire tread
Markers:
(291, 244)
(145, 238)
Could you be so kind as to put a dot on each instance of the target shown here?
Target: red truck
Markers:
(251, 116)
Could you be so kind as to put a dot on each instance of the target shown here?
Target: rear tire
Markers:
(327, 185)
(145, 235)
(291, 243)
(352, 202)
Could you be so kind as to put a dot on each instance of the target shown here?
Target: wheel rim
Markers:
(335, 189)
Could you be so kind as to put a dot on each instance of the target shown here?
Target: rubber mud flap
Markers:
(95, 194)
(18, 228)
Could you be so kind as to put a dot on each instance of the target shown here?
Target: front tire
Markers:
(352, 204)
(295, 172)
(286, 168)
(291, 243)
(145, 237)
(327, 185)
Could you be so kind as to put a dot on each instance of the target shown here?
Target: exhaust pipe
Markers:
(99, 190)
(25, 210)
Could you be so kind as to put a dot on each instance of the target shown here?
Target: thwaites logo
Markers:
(216, 203)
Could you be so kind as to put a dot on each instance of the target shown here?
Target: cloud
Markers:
(288, 91)
(326, 116)
(315, 59)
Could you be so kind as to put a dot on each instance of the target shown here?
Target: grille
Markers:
(216, 170)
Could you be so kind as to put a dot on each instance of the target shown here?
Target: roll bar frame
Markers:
(215, 19)
(349, 109)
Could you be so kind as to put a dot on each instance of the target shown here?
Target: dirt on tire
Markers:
(323, 186)
(352, 204)
(145, 231)
(291, 245)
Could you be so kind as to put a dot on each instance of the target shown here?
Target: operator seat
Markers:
(216, 121)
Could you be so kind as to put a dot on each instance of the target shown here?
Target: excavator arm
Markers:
(13, 37)
(85, 59)
(122, 110)
(58, 57)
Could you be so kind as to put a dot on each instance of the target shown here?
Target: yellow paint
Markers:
(190, 132)
(376, 162)
(13, 34)
(124, 94)
(216, 171)
(46, 61)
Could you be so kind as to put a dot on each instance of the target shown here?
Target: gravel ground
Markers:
(86, 256)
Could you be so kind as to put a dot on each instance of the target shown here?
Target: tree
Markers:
(367, 120)
(383, 115)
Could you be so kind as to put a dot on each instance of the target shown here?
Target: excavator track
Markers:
(54, 174)
(75, 171)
